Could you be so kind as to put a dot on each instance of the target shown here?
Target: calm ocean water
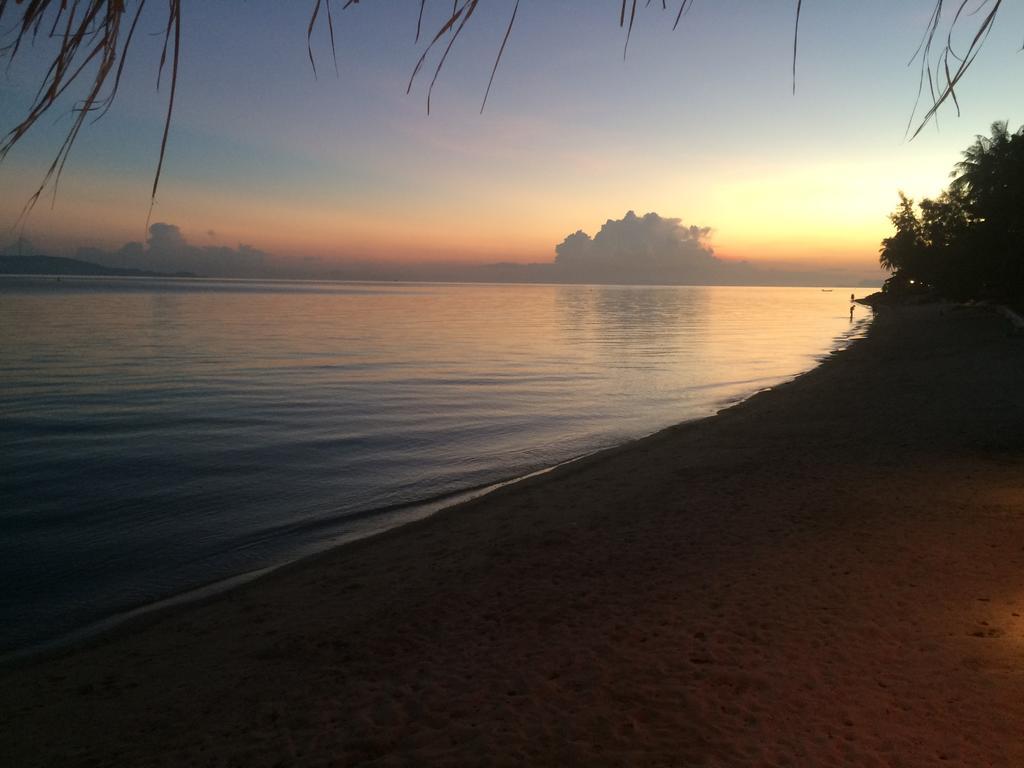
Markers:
(160, 435)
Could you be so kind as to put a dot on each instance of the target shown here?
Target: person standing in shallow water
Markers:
(851, 313)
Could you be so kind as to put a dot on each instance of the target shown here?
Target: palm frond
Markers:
(91, 41)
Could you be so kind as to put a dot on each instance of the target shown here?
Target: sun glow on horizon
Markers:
(350, 170)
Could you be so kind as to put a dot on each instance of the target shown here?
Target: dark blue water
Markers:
(159, 435)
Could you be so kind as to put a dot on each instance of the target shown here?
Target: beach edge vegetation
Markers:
(967, 242)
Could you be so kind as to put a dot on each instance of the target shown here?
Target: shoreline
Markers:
(133, 618)
(411, 512)
(802, 577)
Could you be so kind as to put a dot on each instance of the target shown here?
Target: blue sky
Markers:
(698, 124)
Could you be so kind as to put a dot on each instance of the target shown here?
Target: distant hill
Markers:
(58, 265)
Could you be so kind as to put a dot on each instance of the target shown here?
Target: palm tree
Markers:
(991, 178)
(989, 172)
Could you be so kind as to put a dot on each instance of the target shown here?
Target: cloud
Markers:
(167, 250)
(644, 249)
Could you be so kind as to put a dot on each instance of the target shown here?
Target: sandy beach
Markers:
(830, 573)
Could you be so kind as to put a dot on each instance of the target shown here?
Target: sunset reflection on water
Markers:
(163, 434)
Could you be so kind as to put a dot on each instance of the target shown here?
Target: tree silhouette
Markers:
(969, 241)
(898, 251)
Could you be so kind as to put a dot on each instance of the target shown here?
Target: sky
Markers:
(698, 124)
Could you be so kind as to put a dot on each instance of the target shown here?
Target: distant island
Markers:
(507, 272)
(60, 266)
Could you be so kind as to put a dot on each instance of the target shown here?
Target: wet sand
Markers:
(831, 573)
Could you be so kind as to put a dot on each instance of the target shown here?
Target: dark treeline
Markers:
(967, 243)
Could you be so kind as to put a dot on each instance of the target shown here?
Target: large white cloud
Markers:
(643, 249)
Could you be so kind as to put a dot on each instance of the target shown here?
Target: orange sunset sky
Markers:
(698, 124)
